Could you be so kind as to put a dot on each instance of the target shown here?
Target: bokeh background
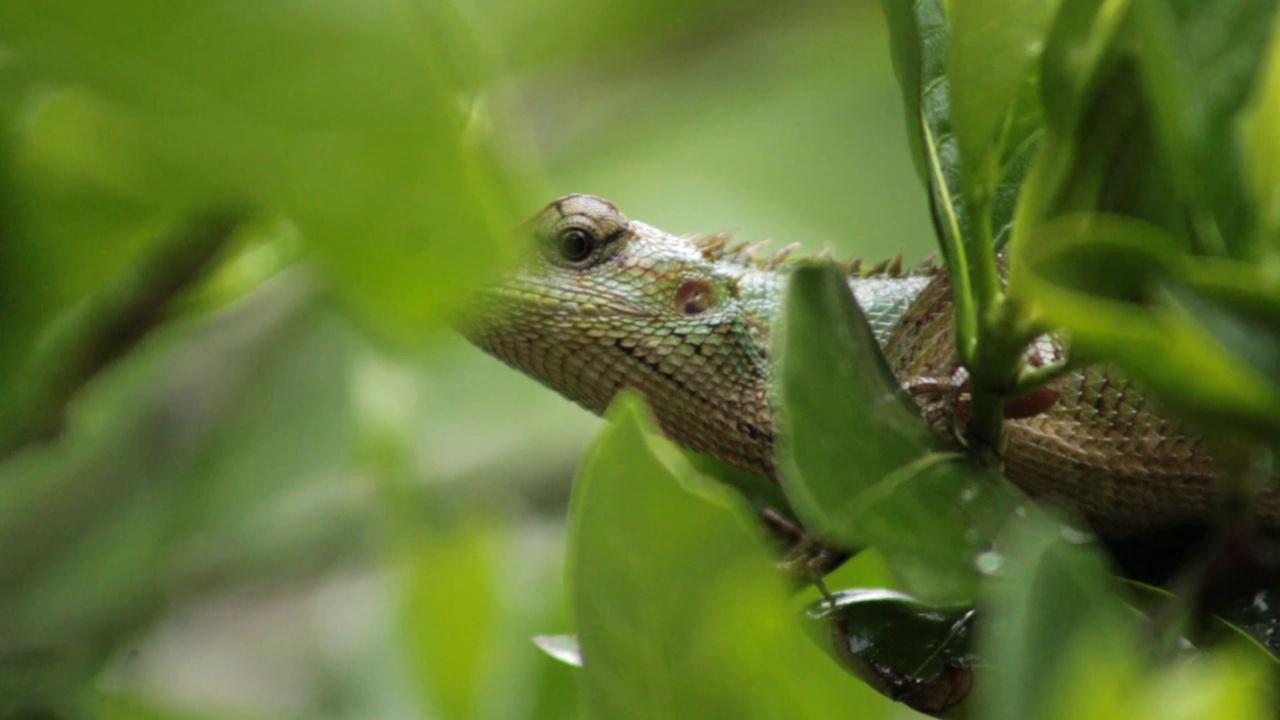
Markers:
(346, 526)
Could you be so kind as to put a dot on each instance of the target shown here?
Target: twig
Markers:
(113, 325)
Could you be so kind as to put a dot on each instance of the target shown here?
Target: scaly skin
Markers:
(606, 303)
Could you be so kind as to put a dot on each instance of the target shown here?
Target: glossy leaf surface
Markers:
(840, 408)
(668, 579)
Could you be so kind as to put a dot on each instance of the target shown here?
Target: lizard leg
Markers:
(808, 557)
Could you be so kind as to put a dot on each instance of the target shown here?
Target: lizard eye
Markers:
(575, 245)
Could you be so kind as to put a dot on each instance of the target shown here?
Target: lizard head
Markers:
(601, 303)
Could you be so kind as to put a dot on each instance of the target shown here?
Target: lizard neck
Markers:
(884, 300)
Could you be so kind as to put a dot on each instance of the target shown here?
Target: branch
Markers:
(114, 324)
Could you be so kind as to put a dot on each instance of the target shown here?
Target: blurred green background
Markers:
(279, 506)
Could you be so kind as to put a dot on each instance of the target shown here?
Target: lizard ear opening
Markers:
(694, 297)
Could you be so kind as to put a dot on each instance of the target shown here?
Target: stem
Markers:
(953, 245)
(992, 377)
(113, 325)
(998, 347)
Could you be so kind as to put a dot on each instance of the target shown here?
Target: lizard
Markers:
(602, 303)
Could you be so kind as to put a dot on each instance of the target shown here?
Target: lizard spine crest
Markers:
(716, 247)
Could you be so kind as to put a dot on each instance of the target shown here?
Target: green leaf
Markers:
(72, 225)
(993, 49)
(1110, 679)
(170, 472)
(838, 405)
(920, 41)
(1108, 256)
(1141, 99)
(1261, 144)
(1253, 291)
(448, 609)
(1200, 61)
(1254, 344)
(1254, 613)
(1100, 152)
(1048, 596)
(1103, 278)
(917, 653)
(907, 48)
(942, 160)
(679, 611)
(357, 119)
(858, 462)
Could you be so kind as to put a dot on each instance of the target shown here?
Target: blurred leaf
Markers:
(858, 462)
(1109, 256)
(1261, 149)
(1217, 630)
(1253, 344)
(670, 580)
(1109, 678)
(1098, 277)
(118, 516)
(1141, 99)
(351, 117)
(118, 706)
(1048, 595)
(23, 297)
(449, 605)
(1253, 291)
(110, 324)
(1199, 61)
(1102, 149)
(535, 33)
(72, 221)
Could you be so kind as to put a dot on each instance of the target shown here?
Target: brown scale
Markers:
(1100, 448)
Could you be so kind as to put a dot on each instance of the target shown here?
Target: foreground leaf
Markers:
(1048, 594)
(350, 117)
(858, 462)
(679, 611)
(1104, 278)
(915, 653)
(1261, 146)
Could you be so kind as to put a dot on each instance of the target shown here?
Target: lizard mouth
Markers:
(584, 301)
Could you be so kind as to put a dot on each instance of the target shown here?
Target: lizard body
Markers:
(606, 303)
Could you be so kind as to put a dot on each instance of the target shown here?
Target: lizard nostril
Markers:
(694, 296)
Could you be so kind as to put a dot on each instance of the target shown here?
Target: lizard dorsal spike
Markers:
(752, 252)
(776, 260)
(895, 267)
(855, 266)
(928, 264)
(712, 245)
(878, 268)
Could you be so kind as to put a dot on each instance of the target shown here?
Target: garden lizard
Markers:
(604, 303)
